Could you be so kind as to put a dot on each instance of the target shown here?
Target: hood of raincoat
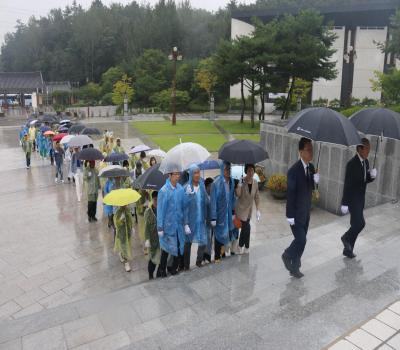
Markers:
(192, 169)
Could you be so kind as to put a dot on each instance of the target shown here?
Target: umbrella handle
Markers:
(376, 150)
(319, 154)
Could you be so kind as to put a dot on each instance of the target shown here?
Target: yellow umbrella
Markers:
(121, 197)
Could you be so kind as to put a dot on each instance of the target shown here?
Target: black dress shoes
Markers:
(346, 244)
(287, 262)
(349, 254)
(297, 274)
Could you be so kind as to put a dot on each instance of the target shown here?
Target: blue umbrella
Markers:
(44, 128)
(116, 157)
(209, 165)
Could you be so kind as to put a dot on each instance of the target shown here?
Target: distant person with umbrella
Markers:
(358, 175)
(27, 147)
(195, 211)
(152, 242)
(247, 193)
(91, 179)
(222, 209)
(301, 179)
(59, 159)
(76, 170)
(170, 222)
(32, 136)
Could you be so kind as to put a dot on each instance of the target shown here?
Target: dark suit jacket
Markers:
(299, 193)
(354, 184)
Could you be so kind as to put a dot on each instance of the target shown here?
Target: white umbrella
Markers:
(65, 121)
(80, 141)
(139, 148)
(110, 167)
(157, 153)
(67, 138)
(33, 122)
(237, 172)
(180, 157)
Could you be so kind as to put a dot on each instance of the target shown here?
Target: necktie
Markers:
(308, 173)
(364, 170)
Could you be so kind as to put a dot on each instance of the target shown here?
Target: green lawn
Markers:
(253, 137)
(235, 127)
(211, 142)
(182, 127)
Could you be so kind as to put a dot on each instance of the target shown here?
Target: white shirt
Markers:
(305, 165)
(364, 165)
(196, 188)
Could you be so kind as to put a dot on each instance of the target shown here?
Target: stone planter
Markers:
(278, 194)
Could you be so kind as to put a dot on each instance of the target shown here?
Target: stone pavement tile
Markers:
(363, 340)
(77, 275)
(118, 317)
(33, 282)
(385, 347)
(111, 342)
(390, 318)
(149, 308)
(181, 297)
(29, 310)
(378, 329)
(49, 339)
(181, 318)
(15, 344)
(83, 331)
(56, 299)
(30, 297)
(55, 285)
(8, 309)
(208, 287)
(145, 330)
(36, 269)
(395, 307)
(9, 292)
(343, 345)
(395, 342)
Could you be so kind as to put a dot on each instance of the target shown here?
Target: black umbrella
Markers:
(379, 122)
(63, 128)
(76, 128)
(324, 125)
(90, 131)
(116, 157)
(242, 152)
(90, 154)
(48, 119)
(151, 179)
(116, 172)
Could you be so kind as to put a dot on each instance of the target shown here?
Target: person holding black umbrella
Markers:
(92, 187)
(301, 181)
(358, 175)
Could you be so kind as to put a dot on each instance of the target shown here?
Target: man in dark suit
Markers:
(358, 175)
(302, 178)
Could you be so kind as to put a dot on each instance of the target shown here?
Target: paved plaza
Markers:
(63, 288)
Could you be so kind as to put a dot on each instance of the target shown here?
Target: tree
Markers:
(389, 85)
(90, 93)
(205, 76)
(122, 89)
(162, 99)
(109, 78)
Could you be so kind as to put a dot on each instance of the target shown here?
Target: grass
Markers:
(253, 137)
(211, 142)
(182, 127)
(235, 127)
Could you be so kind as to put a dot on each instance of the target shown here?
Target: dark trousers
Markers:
(28, 159)
(34, 145)
(217, 249)
(244, 240)
(357, 224)
(186, 255)
(151, 268)
(59, 173)
(92, 206)
(163, 263)
(201, 250)
(296, 248)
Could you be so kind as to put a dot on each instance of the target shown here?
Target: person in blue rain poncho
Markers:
(195, 210)
(170, 223)
(222, 209)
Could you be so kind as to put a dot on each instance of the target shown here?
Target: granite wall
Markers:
(283, 151)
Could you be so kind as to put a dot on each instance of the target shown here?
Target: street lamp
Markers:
(174, 56)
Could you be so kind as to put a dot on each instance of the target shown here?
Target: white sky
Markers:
(12, 10)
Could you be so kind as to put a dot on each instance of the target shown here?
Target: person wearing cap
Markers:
(118, 148)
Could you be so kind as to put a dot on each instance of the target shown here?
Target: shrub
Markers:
(350, 111)
(334, 104)
(277, 183)
(321, 102)
(163, 100)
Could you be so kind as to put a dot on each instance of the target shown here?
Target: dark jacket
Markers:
(354, 184)
(299, 193)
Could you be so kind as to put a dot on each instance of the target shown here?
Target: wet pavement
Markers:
(63, 288)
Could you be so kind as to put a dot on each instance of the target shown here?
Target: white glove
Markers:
(344, 209)
(233, 217)
(373, 173)
(89, 173)
(258, 215)
(189, 190)
(187, 230)
(147, 244)
(160, 233)
(213, 223)
(290, 221)
(316, 178)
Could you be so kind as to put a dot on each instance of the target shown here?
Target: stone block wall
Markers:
(283, 151)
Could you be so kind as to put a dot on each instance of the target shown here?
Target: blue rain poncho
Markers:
(108, 187)
(170, 218)
(195, 210)
(222, 208)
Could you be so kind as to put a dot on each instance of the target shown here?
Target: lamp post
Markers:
(174, 56)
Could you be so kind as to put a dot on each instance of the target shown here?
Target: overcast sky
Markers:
(12, 10)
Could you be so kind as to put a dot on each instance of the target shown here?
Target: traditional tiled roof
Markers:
(26, 82)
